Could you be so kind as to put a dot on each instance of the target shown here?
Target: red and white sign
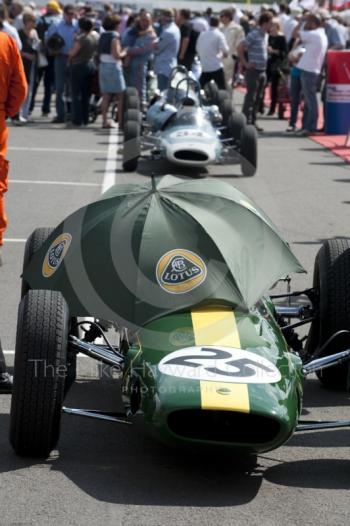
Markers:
(338, 67)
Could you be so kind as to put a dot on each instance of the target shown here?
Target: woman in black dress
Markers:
(277, 53)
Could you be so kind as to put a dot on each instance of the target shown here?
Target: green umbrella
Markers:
(145, 250)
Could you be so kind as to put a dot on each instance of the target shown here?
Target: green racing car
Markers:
(181, 271)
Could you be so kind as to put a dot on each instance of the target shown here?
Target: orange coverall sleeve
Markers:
(17, 86)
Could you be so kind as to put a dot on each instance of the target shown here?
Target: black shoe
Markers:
(6, 383)
(258, 128)
(56, 120)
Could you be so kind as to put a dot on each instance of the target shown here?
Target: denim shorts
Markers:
(111, 78)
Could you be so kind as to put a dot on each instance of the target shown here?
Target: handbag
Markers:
(42, 60)
(283, 94)
(54, 44)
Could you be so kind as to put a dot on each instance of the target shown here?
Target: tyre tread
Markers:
(42, 334)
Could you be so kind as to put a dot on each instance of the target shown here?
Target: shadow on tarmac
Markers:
(118, 464)
(315, 395)
(317, 474)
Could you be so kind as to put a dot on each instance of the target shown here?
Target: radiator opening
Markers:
(223, 426)
(190, 155)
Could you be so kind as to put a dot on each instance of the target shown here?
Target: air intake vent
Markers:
(223, 426)
(190, 155)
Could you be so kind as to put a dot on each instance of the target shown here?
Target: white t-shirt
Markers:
(289, 27)
(199, 24)
(284, 19)
(12, 31)
(315, 42)
(210, 47)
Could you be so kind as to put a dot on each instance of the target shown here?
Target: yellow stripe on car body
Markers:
(217, 326)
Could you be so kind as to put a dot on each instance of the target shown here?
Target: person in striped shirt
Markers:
(253, 55)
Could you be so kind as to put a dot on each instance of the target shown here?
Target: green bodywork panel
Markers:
(162, 394)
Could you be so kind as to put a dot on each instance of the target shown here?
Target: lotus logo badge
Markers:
(54, 256)
(180, 271)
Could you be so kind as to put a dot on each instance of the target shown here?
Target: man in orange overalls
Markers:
(13, 91)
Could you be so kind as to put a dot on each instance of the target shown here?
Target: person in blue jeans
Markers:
(295, 97)
(66, 28)
(140, 53)
(314, 40)
(81, 71)
(167, 48)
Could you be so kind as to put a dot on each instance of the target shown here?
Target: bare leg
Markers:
(120, 99)
(106, 99)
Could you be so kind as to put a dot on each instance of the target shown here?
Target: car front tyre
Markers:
(39, 373)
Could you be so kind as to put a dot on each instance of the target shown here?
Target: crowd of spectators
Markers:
(74, 51)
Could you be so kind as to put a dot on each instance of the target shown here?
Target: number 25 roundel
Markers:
(220, 364)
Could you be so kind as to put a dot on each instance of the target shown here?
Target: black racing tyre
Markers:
(39, 373)
(249, 150)
(226, 110)
(332, 280)
(221, 97)
(211, 92)
(36, 239)
(132, 115)
(130, 92)
(93, 114)
(235, 124)
(132, 148)
(132, 103)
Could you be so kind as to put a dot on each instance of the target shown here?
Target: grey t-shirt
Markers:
(88, 43)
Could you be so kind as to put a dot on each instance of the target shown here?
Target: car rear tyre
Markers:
(332, 280)
(33, 243)
(130, 92)
(39, 374)
(211, 91)
(133, 115)
(132, 149)
(249, 150)
(226, 110)
(221, 97)
(236, 123)
(132, 103)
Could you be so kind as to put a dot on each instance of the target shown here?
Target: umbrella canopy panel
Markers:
(143, 251)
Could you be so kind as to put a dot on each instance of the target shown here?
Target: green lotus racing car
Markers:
(181, 271)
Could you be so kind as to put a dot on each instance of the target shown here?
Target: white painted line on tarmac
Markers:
(14, 240)
(61, 183)
(11, 352)
(111, 164)
(52, 150)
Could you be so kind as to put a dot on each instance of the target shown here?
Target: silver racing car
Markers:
(188, 127)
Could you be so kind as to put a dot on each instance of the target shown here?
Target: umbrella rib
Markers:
(139, 252)
(266, 220)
